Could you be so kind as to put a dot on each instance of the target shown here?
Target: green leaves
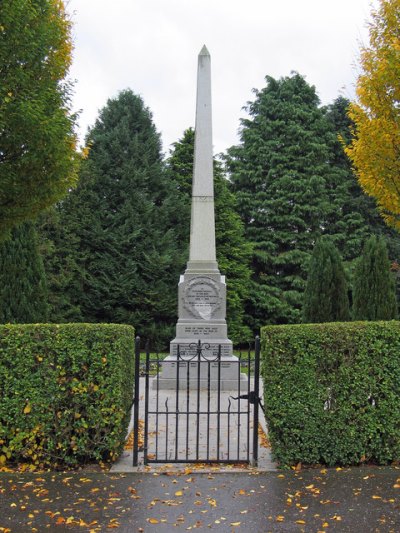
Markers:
(38, 157)
(374, 291)
(23, 288)
(279, 174)
(326, 295)
(331, 392)
(69, 408)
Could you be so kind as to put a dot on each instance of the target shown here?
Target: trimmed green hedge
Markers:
(332, 392)
(66, 392)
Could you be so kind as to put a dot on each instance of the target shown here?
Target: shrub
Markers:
(374, 292)
(326, 296)
(66, 392)
(332, 392)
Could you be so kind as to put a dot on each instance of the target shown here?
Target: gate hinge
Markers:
(251, 397)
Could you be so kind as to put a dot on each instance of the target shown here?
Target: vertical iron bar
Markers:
(257, 394)
(177, 403)
(229, 428)
(219, 401)
(208, 407)
(187, 407)
(238, 404)
(198, 400)
(146, 408)
(136, 403)
(248, 403)
(157, 401)
(166, 428)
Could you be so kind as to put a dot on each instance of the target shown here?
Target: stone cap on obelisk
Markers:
(202, 254)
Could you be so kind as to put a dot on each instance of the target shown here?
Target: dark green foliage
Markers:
(293, 184)
(38, 157)
(326, 296)
(66, 392)
(233, 252)
(374, 296)
(114, 243)
(56, 243)
(355, 216)
(23, 288)
(331, 392)
(279, 173)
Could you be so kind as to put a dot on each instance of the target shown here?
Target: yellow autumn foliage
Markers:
(375, 148)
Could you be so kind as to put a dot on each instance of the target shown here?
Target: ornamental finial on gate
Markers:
(196, 350)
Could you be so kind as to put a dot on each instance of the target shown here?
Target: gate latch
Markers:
(251, 397)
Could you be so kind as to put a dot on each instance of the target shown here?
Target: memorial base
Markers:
(193, 374)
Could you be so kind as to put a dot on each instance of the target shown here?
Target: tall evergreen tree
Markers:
(279, 173)
(374, 296)
(23, 290)
(233, 252)
(114, 226)
(326, 296)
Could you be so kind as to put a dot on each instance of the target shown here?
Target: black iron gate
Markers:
(197, 407)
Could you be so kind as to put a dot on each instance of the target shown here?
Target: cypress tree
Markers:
(374, 296)
(23, 290)
(326, 295)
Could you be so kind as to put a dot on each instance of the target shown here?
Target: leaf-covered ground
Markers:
(359, 499)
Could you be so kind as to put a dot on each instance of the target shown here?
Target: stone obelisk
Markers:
(202, 289)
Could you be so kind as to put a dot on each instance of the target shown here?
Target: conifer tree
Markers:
(279, 173)
(233, 252)
(374, 296)
(114, 226)
(23, 290)
(326, 296)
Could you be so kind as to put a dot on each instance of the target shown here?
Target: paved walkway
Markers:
(357, 500)
(200, 436)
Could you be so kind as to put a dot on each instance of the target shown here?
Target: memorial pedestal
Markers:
(202, 308)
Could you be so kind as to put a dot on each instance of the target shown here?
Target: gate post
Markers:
(136, 403)
(256, 396)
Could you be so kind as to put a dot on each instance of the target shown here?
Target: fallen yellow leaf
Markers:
(27, 409)
(178, 493)
(152, 520)
(235, 523)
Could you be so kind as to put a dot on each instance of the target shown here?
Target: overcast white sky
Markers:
(151, 46)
